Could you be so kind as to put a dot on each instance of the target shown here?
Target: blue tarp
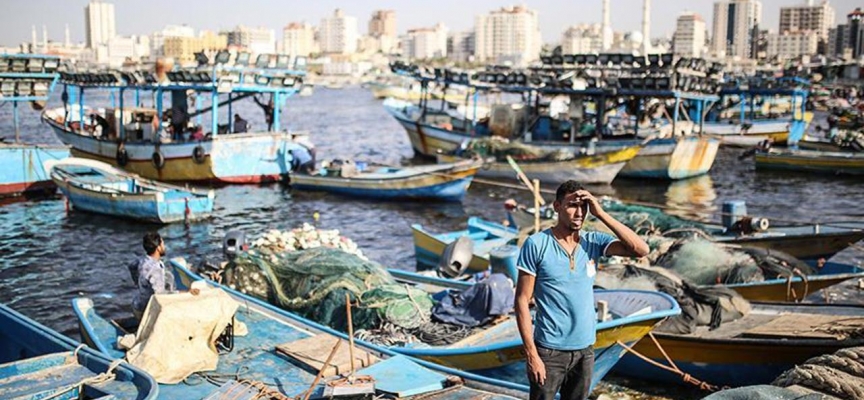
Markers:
(477, 304)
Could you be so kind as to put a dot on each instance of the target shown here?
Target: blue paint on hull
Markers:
(450, 191)
(716, 374)
(170, 210)
(21, 167)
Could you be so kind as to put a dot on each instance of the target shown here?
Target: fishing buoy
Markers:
(316, 216)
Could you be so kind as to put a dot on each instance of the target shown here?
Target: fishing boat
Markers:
(283, 352)
(97, 187)
(494, 241)
(588, 169)
(754, 349)
(146, 141)
(817, 161)
(748, 130)
(496, 352)
(442, 181)
(37, 362)
(26, 78)
(807, 242)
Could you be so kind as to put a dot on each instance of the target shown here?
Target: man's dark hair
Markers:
(152, 240)
(566, 188)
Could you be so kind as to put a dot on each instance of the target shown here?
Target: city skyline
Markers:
(142, 18)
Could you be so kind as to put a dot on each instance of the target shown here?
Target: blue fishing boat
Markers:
(754, 349)
(262, 358)
(173, 142)
(36, 362)
(442, 182)
(496, 241)
(100, 188)
(497, 351)
(26, 78)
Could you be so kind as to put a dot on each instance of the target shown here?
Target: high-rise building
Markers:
(689, 38)
(99, 23)
(256, 40)
(792, 44)
(425, 43)
(508, 35)
(383, 23)
(460, 46)
(807, 18)
(298, 39)
(157, 39)
(583, 38)
(847, 40)
(338, 34)
(735, 22)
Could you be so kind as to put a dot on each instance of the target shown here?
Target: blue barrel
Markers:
(502, 259)
(733, 211)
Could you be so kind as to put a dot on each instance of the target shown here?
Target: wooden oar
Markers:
(525, 180)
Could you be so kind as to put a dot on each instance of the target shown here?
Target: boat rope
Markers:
(823, 378)
(672, 367)
(790, 291)
(106, 376)
(75, 352)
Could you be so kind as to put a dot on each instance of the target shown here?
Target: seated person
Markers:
(197, 133)
(149, 273)
(240, 124)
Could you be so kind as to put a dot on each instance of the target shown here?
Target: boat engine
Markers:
(735, 219)
(456, 257)
(233, 244)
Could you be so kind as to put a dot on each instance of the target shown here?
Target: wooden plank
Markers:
(805, 326)
(311, 352)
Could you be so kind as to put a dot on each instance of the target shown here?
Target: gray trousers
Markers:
(566, 371)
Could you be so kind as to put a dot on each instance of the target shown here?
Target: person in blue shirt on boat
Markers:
(303, 157)
(557, 268)
(149, 273)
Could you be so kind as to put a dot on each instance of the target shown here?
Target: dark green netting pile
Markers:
(314, 282)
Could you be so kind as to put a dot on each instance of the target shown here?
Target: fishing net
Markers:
(648, 220)
(500, 148)
(314, 282)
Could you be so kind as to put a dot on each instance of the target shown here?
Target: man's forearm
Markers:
(526, 328)
(626, 235)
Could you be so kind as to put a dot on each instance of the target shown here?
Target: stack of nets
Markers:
(314, 282)
(500, 148)
(306, 237)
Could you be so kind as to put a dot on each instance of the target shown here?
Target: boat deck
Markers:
(255, 358)
(51, 374)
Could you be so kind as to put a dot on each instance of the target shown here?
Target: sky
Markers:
(136, 17)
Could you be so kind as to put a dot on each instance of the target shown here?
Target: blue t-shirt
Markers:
(564, 317)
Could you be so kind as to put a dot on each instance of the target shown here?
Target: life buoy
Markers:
(158, 159)
(122, 156)
(198, 155)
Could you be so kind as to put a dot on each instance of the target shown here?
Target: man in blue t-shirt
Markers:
(557, 268)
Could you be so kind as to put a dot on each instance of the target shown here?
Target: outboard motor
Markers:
(456, 257)
(233, 244)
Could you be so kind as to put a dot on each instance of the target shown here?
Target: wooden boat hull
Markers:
(731, 361)
(673, 159)
(733, 134)
(435, 182)
(503, 359)
(21, 171)
(596, 169)
(275, 326)
(27, 346)
(834, 163)
(807, 247)
(171, 205)
(231, 158)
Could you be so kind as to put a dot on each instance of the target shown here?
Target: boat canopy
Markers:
(26, 78)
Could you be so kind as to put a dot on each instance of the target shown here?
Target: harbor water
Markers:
(49, 256)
